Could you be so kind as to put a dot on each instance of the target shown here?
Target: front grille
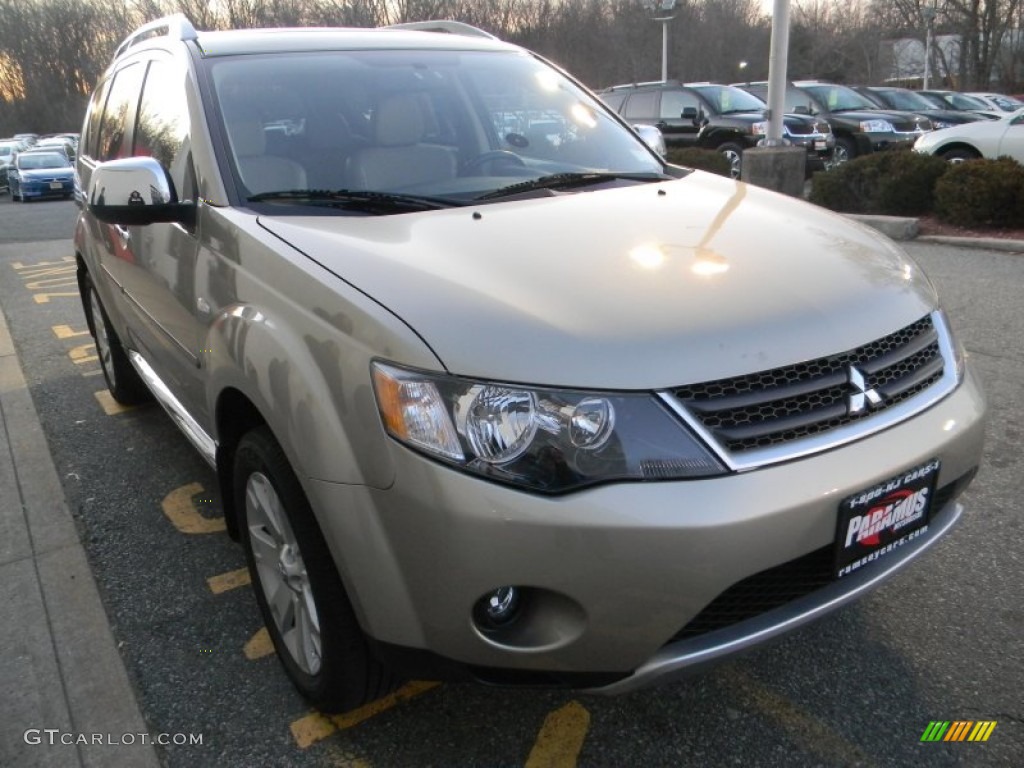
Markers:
(775, 587)
(800, 129)
(786, 404)
(910, 126)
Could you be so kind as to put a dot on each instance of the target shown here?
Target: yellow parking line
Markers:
(259, 645)
(179, 508)
(223, 582)
(109, 405)
(67, 332)
(316, 727)
(84, 353)
(561, 738)
(806, 730)
(44, 298)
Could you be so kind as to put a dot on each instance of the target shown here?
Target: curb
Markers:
(60, 669)
(905, 228)
(988, 243)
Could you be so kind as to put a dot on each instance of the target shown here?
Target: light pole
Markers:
(928, 12)
(663, 7)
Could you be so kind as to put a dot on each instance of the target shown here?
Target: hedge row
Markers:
(701, 159)
(975, 193)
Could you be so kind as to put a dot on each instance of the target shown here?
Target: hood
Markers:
(639, 287)
(47, 173)
(877, 114)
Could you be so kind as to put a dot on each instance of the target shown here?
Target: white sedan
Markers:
(988, 138)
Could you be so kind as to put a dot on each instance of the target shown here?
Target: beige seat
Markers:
(261, 172)
(400, 158)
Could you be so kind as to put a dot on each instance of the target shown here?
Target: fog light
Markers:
(498, 608)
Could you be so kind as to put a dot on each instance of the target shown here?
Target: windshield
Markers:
(965, 102)
(727, 99)
(33, 161)
(908, 100)
(839, 98)
(452, 125)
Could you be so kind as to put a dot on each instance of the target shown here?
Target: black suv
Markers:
(717, 117)
(860, 126)
(889, 97)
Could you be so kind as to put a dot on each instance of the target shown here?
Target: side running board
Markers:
(196, 435)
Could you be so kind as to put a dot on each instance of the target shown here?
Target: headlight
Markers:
(876, 126)
(548, 440)
(941, 124)
(759, 129)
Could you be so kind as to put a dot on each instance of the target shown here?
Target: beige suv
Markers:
(492, 392)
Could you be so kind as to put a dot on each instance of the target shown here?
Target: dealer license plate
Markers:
(56, 185)
(876, 521)
(820, 144)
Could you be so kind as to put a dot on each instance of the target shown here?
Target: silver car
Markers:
(492, 391)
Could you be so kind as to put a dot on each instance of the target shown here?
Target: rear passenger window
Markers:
(90, 144)
(642, 105)
(114, 138)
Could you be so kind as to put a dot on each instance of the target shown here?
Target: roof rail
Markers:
(176, 26)
(646, 83)
(443, 25)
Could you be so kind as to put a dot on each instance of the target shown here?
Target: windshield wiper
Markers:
(358, 199)
(568, 180)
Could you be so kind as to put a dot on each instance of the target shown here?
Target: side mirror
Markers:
(690, 113)
(135, 191)
(652, 137)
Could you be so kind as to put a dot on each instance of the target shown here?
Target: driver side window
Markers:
(674, 102)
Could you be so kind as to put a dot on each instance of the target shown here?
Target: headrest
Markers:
(399, 120)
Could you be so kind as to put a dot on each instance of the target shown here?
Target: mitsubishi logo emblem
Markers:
(862, 398)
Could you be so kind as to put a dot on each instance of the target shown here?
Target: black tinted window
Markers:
(642, 105)
(162, 128)
(673, 103)
(120, 110)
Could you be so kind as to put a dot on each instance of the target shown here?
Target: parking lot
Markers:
(940, 642)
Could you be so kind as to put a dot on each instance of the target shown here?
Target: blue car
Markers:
(38, 174)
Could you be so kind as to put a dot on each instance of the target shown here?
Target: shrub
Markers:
(896, 183)
(701, 159)
(982, 193)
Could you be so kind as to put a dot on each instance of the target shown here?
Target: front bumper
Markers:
(616, 572)
(878, 142)
(46, 189)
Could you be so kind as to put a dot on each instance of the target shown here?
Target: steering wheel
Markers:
(492, 156)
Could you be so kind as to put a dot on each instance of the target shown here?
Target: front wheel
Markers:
(844, 152)
(300, 594)
(734, 154)
(960, 155)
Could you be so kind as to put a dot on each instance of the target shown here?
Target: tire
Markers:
(845, 151)
(300, 594)
(960, 155)
(123, 381)
(734, 154)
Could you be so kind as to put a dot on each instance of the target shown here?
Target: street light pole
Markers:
(665, 6)
(778, 57)
(928, 12)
